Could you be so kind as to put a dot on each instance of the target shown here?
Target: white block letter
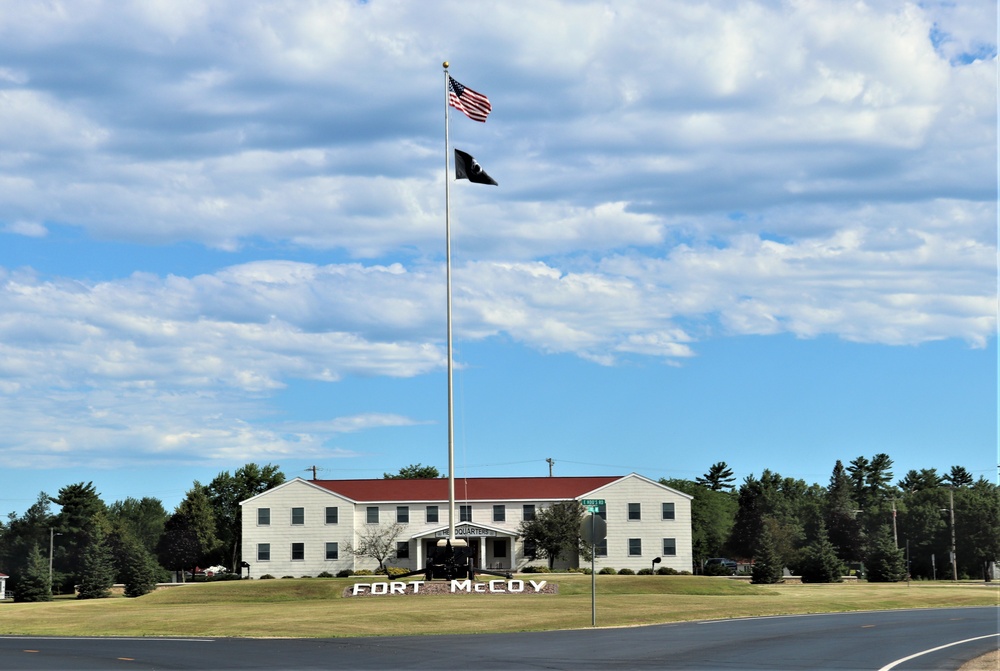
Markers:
(538, 585)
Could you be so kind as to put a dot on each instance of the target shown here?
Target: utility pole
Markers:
(52, 535)
(895, 537)
(954, 561)
(551, 464)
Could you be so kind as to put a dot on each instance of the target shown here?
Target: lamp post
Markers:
(655, 562)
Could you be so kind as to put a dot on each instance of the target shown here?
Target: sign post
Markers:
(593, 529)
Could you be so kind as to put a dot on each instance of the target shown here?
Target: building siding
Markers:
(314, 533)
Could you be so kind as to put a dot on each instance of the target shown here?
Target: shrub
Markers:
(666, 570)
(325, 574)
(393, 571)
(536, 569)
(716, 569)
(607, 570)
(286, 577)
(266, 576)
(364, 571)
(644, 571)
(626, 571)
(345, 573)
(224, 576)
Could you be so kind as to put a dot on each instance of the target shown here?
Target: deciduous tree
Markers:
(225, 493)
(377, 542)
(413, 472)
(555, 531)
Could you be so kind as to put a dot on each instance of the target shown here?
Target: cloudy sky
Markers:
(761, 232)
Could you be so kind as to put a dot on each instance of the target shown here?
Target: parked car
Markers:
(720, 566)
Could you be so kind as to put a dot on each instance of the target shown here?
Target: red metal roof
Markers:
(467, 489)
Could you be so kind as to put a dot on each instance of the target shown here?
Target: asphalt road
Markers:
(880, 640)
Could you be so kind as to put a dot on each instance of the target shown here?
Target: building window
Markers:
(635, 511)
(465, 514)
(601, 549)
(372, 515)
(263, 517)
(670, 547)
(403, 514)
(634, 547)
(668, 511)
(263, 552)
(528, 512)
(298, 551)
(298, 516)
(500, 513)
(402, 549)
(500, 548)
(332, 515)
(432, 514)
(530, 549)
(332, 551)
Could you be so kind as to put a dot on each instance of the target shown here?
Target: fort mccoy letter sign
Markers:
(419, 587)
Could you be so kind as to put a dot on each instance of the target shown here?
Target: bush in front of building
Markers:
(266, 576)
(666, 570)
(364, 571)
(644, 571)
(346, 573)
(607, 570)
(325, 574)
(393, 571)
(626, 571)
(536, 569)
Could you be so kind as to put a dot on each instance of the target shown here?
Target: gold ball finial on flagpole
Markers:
(445, 64)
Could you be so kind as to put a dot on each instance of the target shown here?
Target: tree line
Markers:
(861, 520)
(89, 546)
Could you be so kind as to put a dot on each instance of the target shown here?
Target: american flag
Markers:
(474, 105)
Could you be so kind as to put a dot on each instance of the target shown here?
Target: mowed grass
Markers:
(316, 607)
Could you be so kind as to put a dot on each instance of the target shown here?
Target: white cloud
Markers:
(666, 170)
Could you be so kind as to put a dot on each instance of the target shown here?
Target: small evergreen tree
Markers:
(135, 566)
(767, 565)
(98, 568)
(886, 562)
(820, 562)
(34, 585)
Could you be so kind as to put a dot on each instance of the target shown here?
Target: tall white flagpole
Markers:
(447, 249)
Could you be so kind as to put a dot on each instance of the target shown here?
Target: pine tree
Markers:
(34, 585)
(719, 477)
(820, 562)
(136, 567)
(767, 565)
(98, 568)
(841, 512)
(886, 562)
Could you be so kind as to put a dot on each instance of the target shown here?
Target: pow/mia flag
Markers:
(468, 168)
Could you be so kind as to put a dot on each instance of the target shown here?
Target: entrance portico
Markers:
(492, 547)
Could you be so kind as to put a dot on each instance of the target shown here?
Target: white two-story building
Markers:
(305, 527)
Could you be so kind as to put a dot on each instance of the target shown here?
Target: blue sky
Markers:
(222, 239)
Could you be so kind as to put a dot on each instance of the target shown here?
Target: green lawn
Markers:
(315, 607)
